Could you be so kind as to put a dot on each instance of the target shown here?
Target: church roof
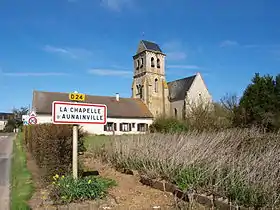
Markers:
(151, 46)
(147, 45)
(178, 88)
(124, 108)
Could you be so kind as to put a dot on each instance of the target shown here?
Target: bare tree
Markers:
(229, 102)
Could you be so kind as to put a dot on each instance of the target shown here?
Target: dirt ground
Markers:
(128, 194)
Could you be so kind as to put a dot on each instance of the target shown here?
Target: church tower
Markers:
(149, 83)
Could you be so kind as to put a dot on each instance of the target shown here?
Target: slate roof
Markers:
(151, 46)
(124, 108)
(178, 88)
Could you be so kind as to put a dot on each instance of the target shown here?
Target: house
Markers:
(152, 96)
(124, 115)
(4, 117)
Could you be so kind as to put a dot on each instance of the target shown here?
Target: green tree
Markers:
(258, 105)
(16, 122)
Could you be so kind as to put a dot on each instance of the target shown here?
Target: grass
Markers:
(21, 182)
(93, 142)
(240, 164)
(67, 189)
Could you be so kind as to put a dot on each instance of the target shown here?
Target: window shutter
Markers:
(115, 126)
(138, 127)
(121, 127)
(105, 127)
(147, 127)
(130, 127)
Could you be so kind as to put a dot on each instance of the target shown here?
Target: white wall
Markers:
(2, 124)
(99, 129)
(198, 92)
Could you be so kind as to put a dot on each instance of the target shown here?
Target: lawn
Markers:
(21, 182)
(95, 142)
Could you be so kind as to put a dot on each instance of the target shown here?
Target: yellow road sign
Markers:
(77, 97)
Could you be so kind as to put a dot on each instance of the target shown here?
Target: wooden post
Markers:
(75, 151)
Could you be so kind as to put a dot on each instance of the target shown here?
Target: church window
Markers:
(141, 92)
(158, 63)
(142, 62)
(175, 113)
(152, 62)
(138, 64)
(156, 85)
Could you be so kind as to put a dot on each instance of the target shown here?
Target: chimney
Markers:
(117, 97)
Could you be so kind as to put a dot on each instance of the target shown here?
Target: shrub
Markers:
(241, 164)
(67, 189)
(199, 117)
(168, 125)
(51, 147)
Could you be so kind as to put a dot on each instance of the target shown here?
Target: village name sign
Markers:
(78, 113)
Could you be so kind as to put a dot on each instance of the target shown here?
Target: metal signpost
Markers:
(76, 113)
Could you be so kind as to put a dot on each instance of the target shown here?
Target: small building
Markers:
(4, 117)
(124, 115)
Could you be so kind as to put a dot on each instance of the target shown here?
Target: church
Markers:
(152, 96)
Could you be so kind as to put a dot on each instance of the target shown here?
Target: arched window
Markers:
(152, 62)
(138, 64)
(175, 113)
(142, 62)
(158, 63)
(156, 85)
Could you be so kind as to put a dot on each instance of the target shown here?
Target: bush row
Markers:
(51, 147)
(200, 117)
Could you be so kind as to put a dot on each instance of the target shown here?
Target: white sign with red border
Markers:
(78, 113)
(32, 120)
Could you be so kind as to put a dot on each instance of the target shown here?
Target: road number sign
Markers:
(78, 113)
(77, 97)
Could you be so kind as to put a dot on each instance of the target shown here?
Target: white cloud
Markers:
(228, 43)
(174, 50)
(110, 72)
(33, 74)
(74, 53)
(183, 67)
(117, 5)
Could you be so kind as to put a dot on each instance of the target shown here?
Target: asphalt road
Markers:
(6, 145)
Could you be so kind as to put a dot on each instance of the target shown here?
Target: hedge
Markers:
(51, 147)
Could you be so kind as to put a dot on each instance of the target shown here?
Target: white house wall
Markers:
(2, 124)
(99, 129)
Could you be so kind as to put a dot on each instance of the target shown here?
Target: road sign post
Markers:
(76, 113)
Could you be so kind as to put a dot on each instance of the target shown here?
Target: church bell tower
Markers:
(149, 83)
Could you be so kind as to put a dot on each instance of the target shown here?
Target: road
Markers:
(6, 147)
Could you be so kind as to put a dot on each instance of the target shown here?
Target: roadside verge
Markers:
(21, 179)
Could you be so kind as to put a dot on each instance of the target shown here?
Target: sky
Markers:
(87, 45)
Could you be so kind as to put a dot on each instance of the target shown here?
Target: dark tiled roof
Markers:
(151, 46)
(124, 108)
(178, 88)
(5, 113)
